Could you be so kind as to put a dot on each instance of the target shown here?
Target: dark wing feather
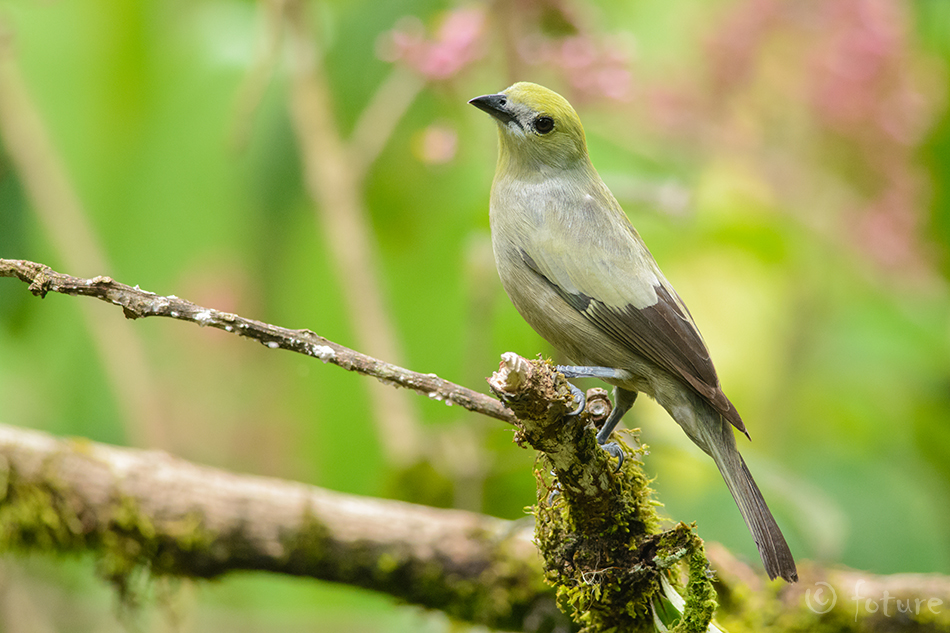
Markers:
(662, 334)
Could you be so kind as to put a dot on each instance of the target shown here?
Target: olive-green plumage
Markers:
(579, 274)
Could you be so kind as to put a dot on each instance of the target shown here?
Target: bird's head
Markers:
(537, 128)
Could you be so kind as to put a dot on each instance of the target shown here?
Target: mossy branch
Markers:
(148, 511)
(597, 526)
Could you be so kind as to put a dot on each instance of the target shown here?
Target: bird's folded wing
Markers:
(661, 330)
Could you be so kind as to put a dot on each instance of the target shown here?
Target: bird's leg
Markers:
(623, 400)
(579, 371)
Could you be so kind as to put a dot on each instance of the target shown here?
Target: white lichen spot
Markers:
(323, 352)
(174, 314)
(435, 395)
(448, 402)
(273, 345)
(228, 328)
(203, 318)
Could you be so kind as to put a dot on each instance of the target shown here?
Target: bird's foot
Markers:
(581, 399)
(613, 449)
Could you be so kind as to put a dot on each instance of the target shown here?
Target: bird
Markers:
(578, 272)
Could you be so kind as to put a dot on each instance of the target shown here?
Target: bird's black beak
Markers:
(495, 105)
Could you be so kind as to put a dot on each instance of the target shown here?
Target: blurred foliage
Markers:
(787, 162)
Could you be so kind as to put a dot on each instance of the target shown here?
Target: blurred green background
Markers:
(787, 162)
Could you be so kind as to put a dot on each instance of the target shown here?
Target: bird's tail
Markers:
(768, 537)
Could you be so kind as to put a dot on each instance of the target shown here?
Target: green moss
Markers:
(37, 517)
(595, 555)
(599, 533)
(45, 517)
(496, 595)
(700, 596)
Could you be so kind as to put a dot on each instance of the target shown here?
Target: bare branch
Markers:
(137, 303)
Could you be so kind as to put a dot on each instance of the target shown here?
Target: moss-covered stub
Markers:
(605, 554)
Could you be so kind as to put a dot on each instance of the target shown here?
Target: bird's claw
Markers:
(613, 449)
(555, 489)
(581, 398)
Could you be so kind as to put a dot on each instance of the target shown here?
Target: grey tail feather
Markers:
(768, 537)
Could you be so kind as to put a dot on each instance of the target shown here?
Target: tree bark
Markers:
(147, 509)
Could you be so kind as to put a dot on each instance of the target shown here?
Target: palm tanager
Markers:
(581, 276)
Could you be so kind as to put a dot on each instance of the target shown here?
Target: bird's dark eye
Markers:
(544, 124)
